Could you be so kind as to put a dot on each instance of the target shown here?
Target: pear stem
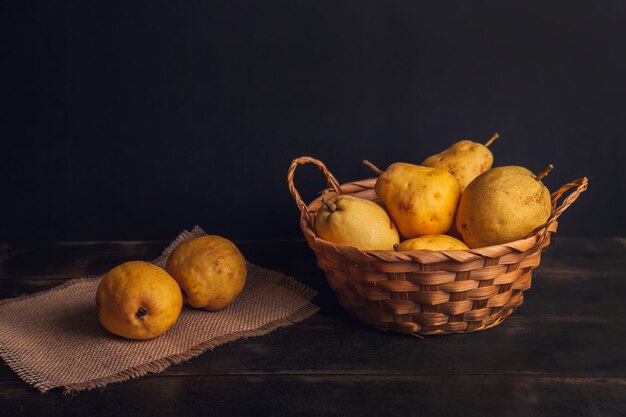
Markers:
(493, 138)
(396, 247)
(544, 172)
(332, 207)
(372, 167)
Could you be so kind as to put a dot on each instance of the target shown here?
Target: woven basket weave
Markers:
(426, 292)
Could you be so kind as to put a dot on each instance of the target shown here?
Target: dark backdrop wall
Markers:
(133, 120)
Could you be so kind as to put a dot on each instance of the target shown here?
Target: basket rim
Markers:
(537, 237)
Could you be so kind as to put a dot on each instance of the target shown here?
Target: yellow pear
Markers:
(210, 270)
(465, 160)
(138, 300)
(433, 242)
(421, 200)
(353, 221)
(502, 205)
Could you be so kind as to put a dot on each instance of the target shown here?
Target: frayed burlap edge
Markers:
(34, 378)
(164, 363)
(14, 361)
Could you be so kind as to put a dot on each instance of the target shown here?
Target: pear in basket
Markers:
(353, 221)
(465, 160)
(502, 205)
(421, 200)
(433, 242)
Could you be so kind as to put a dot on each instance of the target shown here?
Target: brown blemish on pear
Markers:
(404, 206)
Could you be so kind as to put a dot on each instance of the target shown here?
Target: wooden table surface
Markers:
(563, 353)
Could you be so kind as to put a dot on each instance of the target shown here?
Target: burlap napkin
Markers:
(53, 338)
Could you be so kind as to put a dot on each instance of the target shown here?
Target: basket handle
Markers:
(331, 180)
(551, 225)
(581, 186)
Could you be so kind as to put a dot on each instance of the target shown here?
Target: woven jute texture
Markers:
(53, 338)
(426, 292)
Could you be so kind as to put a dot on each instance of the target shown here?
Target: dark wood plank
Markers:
(590, 269)
(561, 353)
(561, 346)
(570, 323)
(332, 395)
(584, 255)
(575, 294)
(571, 295)
(73, 259)
(335, 346)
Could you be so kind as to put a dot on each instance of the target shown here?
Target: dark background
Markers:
(133, 120)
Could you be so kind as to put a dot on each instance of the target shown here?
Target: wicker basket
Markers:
(426, 292)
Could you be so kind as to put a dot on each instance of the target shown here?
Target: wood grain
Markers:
(549, 358)
(333, 395)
